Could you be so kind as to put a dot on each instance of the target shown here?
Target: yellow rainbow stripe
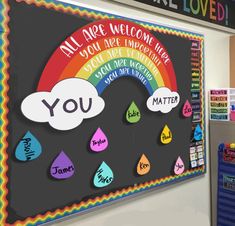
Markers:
(75, 208)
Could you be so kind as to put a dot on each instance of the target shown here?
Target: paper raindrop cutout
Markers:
(133, 113)
(166, 135)
(187, 109)
(198, 133)
(62, 167)
(28, 148)
(179, 166)
(99, 141)
(143, 166)
(103, 176)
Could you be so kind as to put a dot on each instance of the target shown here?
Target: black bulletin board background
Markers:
(34, 34)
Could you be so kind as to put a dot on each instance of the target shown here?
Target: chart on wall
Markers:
(95, 107)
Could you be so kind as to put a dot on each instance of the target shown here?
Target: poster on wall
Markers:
(219, 104)
(92, 109)
(212, 13)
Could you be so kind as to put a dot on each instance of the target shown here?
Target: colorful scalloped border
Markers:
(4, 65)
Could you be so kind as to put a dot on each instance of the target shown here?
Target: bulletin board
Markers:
(95, 108)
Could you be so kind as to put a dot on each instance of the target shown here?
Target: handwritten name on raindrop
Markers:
(187, 109)
(103, 176)
(63, 170)
(99, 141)
(28, 148)
(143, 166)
(166, 135)
(179, 166)
(198, 133)
(102, 179)
(62, 167)
(133, 113)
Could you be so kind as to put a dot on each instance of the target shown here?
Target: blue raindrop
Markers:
(103, 176)
(28, 148)
(198, 133)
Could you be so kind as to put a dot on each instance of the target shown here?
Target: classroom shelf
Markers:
(220, 131)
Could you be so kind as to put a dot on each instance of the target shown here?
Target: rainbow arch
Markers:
(118, 52)
(105, 74)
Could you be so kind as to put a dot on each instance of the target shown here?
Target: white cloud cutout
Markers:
(163, 100)
(64, 108)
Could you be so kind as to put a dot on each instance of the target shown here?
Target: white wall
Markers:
(186, 204)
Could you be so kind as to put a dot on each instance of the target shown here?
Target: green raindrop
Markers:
(133, 113)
